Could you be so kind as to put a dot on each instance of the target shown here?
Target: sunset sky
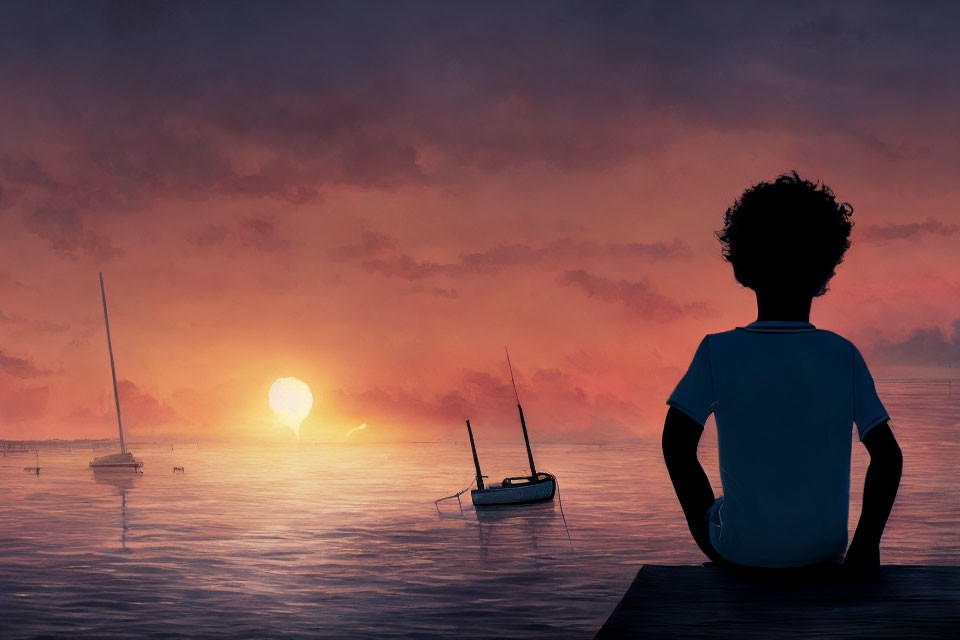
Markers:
(377, 197)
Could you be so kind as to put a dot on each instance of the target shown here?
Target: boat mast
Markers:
(476, 461)
(113, 369)
(523, 423)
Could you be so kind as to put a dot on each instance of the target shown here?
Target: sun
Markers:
(291, 400)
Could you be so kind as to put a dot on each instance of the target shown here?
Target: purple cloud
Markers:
(68, 235)
(640, 297)
(924, 346)
(258, 234)
(908, 230)
(19, 367)
(562, 252)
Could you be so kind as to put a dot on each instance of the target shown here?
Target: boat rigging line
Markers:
(564, 517)
(457, 495)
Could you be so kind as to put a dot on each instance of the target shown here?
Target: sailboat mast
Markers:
(476, 461)
(523, 423)
(113, 368)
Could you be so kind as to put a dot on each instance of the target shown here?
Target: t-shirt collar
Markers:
(779, 326)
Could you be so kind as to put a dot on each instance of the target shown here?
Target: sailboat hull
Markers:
(514, 491)
(116, 462)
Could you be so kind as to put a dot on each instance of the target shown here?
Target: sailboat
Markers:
(537, 487)
(123, 461)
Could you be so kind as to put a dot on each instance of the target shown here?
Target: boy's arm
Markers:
(879, 491)
(680, 437)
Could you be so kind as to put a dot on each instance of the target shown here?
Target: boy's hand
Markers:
(862, 558)
(681, 434)
(879, 491)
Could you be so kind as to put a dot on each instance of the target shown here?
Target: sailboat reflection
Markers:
(512, 529)
(123, 483)
(516, 516)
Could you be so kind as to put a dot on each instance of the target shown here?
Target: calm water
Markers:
(345, 541)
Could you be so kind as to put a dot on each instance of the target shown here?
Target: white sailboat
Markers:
(123, 461)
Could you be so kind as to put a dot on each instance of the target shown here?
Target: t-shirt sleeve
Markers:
(868, 411)
(694, 393)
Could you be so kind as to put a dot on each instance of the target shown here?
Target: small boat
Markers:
(123, 461)
(537, 487)
(522, 490)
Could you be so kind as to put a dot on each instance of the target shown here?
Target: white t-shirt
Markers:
(785, 396)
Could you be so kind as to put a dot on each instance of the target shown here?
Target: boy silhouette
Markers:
(785, 396)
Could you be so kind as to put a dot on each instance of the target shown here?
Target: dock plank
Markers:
(713, 602)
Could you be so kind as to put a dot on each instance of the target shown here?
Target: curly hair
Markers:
(787, 235)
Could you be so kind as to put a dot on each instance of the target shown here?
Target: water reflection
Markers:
(529, 530)
(123, 481)
(524, 516)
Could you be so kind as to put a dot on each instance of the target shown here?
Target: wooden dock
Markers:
(712, 602)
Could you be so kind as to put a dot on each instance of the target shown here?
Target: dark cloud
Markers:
(165, 98)
(552, 375)
(19, 367)
(407, 268)
(27, 172)
(212, 235)
(383, 406)
(9, 282)
(829, 28)
(67, 234)
(924, 346)
(495, 258)
(49, 327)
(143, 412)
(37, 325)
(371, 243)
(568, 250)
(381, 257)
(880, 145)
(259, 234)
(382, 161)
(912, 230)
(278, 179)
(486, 385)
(551, 397)
(142, 409)
(437, 292)
(640, 297)
(600, 430)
